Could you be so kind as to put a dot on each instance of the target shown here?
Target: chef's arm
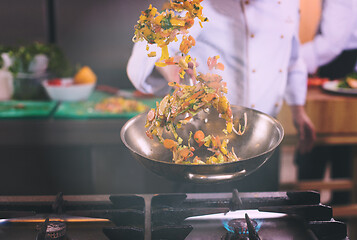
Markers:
(296, 91)
(146, 76)
(337, 25)
(305, 128)
(141, 71)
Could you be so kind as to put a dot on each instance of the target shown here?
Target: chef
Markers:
(257, 42)
(333, 51)
(332, 54)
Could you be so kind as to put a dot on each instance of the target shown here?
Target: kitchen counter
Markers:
(67, 132)
(334, 117)
(74, 156)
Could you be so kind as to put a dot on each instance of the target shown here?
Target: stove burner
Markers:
(240, 229)
(51, 230)
(240, 226)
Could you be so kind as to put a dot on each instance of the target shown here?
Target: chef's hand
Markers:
(172, 72)
(305, 128)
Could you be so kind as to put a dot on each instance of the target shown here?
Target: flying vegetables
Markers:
(209, 91)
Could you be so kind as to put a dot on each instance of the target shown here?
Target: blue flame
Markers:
(241, 231)
(259, 225)
(3, 221)
(226, 226)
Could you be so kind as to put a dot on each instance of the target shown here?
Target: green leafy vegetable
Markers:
(22, 56)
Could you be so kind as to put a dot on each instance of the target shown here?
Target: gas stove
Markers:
(195, 216)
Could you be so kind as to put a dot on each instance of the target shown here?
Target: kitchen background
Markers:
(45, 156)
(93, 33)
(74, 156)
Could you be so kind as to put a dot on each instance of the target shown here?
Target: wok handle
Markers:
(199, 178)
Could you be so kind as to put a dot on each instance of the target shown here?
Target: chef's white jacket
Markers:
(338, 32)
(256, 41)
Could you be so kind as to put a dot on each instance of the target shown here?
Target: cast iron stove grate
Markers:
(170, 216)
(163, 216)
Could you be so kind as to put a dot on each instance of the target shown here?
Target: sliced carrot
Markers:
(149, 135)
(185, 104)
(215, 85)
(218, 141)
(220, 66)
(208, 97)
(229, 112)
(170, 61)
(169, 143)
(195, 95)
(151, 115)
(185, 153)
(199, 136)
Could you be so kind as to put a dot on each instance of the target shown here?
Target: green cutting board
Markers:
(85, 109)
(26, 109)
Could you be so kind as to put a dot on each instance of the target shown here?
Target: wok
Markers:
(262, 135)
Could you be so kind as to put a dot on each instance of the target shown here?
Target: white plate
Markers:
(332, 86)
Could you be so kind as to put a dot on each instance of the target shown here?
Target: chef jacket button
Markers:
(276, 105)
(252, 35)
(279, 2)
(282, 36)
(280, 70)
(253, 70)
(246, 2)
(253, 105)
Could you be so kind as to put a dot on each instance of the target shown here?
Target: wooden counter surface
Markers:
(334, 117)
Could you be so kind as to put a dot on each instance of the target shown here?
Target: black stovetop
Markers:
(274, 215)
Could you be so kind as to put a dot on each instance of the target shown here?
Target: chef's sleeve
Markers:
(296, 87)
(337, 25)
(141, 70)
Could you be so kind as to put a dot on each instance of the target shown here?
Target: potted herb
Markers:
(31, 64)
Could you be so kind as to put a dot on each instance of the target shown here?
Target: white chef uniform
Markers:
(338, 29)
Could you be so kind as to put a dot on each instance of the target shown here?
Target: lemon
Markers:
(85, 75)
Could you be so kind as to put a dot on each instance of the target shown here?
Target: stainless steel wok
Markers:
(263, 134)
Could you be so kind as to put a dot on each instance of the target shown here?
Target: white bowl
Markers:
(67, 91)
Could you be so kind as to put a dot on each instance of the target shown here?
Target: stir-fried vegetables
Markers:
(120, 105)
(162, 28)
(189, 100)
(199, 136)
